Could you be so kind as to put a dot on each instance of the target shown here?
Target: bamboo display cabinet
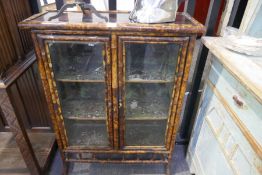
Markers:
(114, 88)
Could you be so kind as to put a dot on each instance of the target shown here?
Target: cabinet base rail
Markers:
(116, 157)
(118, 161)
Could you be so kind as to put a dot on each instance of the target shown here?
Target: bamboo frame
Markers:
(181, 93)
(114, 37)
(44, 39)
(183, 42)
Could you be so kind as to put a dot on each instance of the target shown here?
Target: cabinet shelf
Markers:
(149, 81)
(79, 77)
(79, 81)
(103, 81)
(94, 110)
(145, 133)
(84, 109)
(128, 119)
(149, 72)
(90, 134)
(85, 133)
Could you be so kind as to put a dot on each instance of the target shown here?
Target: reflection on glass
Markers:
(151, 61)
(145, 133)
(87, 133)
(79, 73)
(77, 61)
(150, 72)
(82, 100)
(148, 101)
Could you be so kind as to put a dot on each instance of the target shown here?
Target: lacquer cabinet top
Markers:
(117, 21)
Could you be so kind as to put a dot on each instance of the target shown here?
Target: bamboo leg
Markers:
(168, 168)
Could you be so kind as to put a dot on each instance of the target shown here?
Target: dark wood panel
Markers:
(8, 10)
(14, 43)
(32, 100)
(16, 115)
(29, 101)
(19, 132)
(21, 12)
(2, 121)
(7, 56)
(19, 106)
(27, 93)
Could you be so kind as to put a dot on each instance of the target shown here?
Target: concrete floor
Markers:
(178, 167)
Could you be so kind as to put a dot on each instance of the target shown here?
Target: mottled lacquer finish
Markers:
(72, 27)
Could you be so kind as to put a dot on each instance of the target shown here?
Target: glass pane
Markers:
(79, 74)
(151, 61)
(77, 61)
(150, 72)
(121, 18)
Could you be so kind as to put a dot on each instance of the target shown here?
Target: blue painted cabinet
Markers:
(227, 134)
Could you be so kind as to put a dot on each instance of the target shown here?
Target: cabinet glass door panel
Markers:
(150, 62)
(77, 60)
(150, 69)
(79, 73)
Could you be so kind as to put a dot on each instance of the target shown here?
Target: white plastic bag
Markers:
(154, 11)
(234, 40)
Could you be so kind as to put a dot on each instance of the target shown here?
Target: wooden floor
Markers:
(178, 167)
(11, 161)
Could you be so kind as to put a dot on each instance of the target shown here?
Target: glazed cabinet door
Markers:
(148, 71)
(78, 70)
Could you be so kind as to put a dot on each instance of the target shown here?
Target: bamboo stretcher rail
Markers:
(117, 161)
